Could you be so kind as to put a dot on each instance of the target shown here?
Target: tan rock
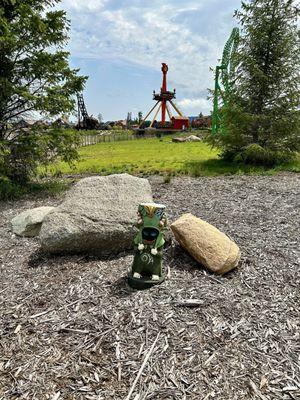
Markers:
(206, 244)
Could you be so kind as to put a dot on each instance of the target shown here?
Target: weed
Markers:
(167, 178)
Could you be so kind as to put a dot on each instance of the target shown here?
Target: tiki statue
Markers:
(148, 244)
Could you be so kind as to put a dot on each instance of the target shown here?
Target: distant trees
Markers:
(262, 113)
(140, 117)
(35, 79)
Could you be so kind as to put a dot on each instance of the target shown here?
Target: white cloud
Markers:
(79, 5)
(195, 105)
(148, 32)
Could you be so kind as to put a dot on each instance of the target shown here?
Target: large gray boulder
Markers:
(97, 216)
(28, 223)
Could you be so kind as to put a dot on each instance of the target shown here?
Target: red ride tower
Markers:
(162, 99)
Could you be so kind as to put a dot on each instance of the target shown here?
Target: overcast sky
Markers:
(120, 45)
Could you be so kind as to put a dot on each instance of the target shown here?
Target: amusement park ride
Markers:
(223, 84)
(164, 102)
(165, 99)
(85, 121)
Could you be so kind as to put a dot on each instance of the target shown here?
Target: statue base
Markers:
(143, 282)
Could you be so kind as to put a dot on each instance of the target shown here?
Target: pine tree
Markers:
(262, 113)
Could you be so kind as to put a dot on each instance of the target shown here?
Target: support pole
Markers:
(163, 90)
(155, 116)
(215, 118)
(168, 111)
(163, 111)
(148, 114)
(175, 108)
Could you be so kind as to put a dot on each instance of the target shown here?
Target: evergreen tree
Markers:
(34, 78)
(140, 117)
(262, 112)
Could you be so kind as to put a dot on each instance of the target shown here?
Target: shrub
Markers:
(167, 178)
(34, 147)
(254, 154)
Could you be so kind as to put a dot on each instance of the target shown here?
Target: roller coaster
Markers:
(223, 83)
(85, 121)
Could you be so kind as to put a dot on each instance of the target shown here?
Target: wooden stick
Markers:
(41, 313)
(142, 367)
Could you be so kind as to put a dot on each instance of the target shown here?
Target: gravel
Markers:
(70, 328)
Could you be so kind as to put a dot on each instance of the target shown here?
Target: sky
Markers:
(120, 45)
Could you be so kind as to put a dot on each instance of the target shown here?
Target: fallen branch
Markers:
(189, 303)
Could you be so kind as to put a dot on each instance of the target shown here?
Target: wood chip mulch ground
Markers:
(70, 328)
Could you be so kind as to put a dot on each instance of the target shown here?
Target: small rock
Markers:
(193, 138)
(29, 222)
(178, 139)
(206, 244)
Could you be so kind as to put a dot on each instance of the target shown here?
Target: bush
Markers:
(254, 154)
(34, 147)
(10, 190)
(167, 178)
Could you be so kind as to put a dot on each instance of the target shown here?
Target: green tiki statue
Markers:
(148, 245)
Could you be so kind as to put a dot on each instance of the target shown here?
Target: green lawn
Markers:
(156, 156)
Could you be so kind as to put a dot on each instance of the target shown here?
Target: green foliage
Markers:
(263, 106)
(11, 190)
(35, 147)
(167, 178)
(33, 78)
(257, 155)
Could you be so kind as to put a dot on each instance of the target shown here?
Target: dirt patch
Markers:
(72, 329)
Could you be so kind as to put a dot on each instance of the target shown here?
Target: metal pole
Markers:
(175, 107)
(155, 116)
(169, 112)
(148, 114)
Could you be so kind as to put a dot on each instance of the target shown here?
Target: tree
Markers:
(262, 112)
(140, 117)
(35, 77)
(100, 118)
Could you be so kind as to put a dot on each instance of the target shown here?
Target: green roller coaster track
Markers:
(222, 79)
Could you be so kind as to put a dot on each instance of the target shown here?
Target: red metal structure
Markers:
(163, 101)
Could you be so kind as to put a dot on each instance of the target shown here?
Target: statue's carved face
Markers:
(149, 235)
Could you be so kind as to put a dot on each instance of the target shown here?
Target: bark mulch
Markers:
(70, 328)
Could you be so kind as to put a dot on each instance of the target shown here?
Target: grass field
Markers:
(157, 156)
